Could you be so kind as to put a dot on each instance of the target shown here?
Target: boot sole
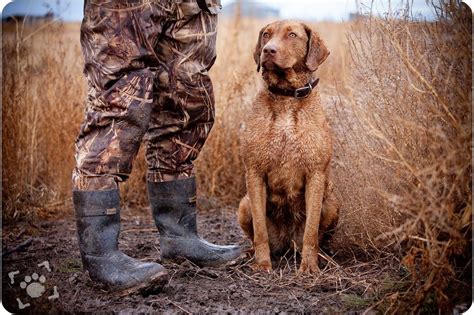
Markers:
(155, 283)
(212, 264)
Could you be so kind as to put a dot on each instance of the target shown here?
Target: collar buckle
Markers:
(303, 92)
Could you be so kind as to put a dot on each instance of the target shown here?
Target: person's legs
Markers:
(180, 123)
(117, 39)
(184, 114)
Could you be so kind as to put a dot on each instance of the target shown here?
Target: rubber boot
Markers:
(174, 209)
(98, 227)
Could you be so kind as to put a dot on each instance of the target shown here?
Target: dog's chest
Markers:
(283, 127)
(284, 146)
(283, 155)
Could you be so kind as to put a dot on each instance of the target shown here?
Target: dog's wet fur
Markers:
(287, 149)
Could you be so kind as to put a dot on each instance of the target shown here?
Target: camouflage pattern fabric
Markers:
(146, 66)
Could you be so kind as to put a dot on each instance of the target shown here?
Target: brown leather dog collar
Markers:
(302, 92)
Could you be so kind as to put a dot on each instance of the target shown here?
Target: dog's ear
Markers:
(317, 50)
(258, 48)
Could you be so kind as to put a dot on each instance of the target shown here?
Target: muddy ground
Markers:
(346, 284)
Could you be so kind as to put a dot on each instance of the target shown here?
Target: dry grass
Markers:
(397, 95)
(411, 100)
(42, 108)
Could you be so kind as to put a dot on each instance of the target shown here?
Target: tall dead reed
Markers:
(411, 97)
(41, 97)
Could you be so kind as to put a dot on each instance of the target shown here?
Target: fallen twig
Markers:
(19, 247)
(187, 312)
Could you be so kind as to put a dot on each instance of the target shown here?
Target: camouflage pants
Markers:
(146, 66)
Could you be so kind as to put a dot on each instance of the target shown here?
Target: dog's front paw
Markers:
(262, 258)
(265, 265)
(309, 263)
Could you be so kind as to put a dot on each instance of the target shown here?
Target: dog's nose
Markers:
(270, 49)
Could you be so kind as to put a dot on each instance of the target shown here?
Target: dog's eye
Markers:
(266, 35)
(292, 35)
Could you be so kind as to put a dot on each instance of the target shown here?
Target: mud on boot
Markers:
(174, 210)
(98, 227)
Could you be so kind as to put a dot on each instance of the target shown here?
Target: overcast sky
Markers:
(336, 10)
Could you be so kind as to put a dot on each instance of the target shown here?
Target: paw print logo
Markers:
(34, 285)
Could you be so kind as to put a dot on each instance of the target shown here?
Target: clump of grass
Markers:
(42, 105)
(412, 104)
(355, 302)
(70, 265)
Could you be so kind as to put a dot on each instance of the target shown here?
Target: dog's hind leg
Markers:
(329, 215)
(245, 217)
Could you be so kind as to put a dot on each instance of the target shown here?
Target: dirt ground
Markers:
(345, 284)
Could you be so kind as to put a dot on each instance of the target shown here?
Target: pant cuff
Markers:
(90, 183)
(162, 176)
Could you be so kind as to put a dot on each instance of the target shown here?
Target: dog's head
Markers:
(286, 45)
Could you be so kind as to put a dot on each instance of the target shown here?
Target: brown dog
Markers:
(286, 148)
